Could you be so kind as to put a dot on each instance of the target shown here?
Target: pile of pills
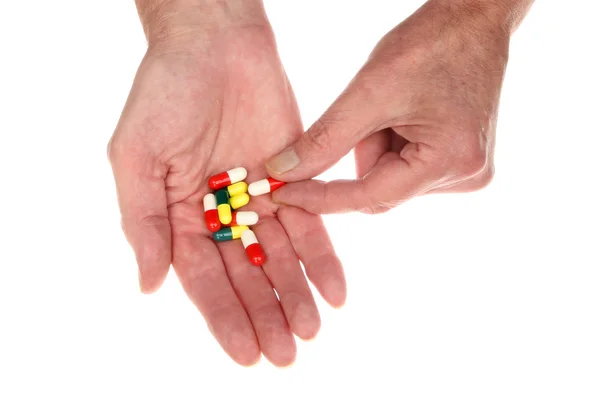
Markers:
(230, 192)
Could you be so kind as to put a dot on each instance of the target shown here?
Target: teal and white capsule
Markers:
(229, 233)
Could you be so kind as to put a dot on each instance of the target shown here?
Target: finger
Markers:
(351, 118)
(144, 217)
(256, 293)
(393, 180)
(285, 273)
(200, 269)
(369, 150)
(311, 241)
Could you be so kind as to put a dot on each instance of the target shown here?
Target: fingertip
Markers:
(241, 346)
(335, 293)
(306, 322)
(284, 353)
(153, 261)
(248, 358)
(150, 284)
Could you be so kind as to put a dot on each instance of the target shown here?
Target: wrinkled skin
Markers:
(420, 115)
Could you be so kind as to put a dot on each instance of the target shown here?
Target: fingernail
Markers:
(284, 162)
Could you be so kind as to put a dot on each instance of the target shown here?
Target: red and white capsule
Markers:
(211, 215)
(262, 187)
(227, 178)
(253, 250)
(243, 218)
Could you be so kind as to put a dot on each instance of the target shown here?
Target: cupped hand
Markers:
(420, 115)
(195, 111)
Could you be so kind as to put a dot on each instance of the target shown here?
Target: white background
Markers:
(492, 294)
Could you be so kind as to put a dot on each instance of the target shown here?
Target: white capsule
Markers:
(238, 174)
(259, 188)
(262, 187)
(210, 202)
(248, 238)
(245, 217)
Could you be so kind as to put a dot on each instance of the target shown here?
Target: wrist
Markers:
(177, 23)
(498, 15)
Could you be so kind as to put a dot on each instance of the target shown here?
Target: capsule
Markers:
(253, 250)
(238, 201)
(237, 188)
(264, 186)
(243, 218)
(223, 208)
(211, 215)
(226, 178)
(229, 233)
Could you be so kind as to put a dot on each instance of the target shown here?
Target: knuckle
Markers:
(319, 137)
(243, 271)
(470, 156)
(222, 312)
(133, 223)
(110, 150)
(267, 310)
(200, 275)
(372, 205)
(375, 208)
(472, 165)
(113, 149)
(483, 179)
(153, 220)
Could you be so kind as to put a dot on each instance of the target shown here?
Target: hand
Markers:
(420, 115)
(207, 99)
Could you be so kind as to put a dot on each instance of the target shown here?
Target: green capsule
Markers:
(229, 233)
(222, 197)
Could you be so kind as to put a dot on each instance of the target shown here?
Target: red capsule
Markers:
(255, 253)
(211, 215)
(227, 178)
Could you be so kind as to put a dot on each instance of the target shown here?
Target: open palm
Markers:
(192, 114)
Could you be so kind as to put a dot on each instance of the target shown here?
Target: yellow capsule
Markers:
(237, 188)
(236, 232)
(224, 211)
(238, 201)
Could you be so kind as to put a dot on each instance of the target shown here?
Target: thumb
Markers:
(144, 216)
(347, 121)
(393, 180)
